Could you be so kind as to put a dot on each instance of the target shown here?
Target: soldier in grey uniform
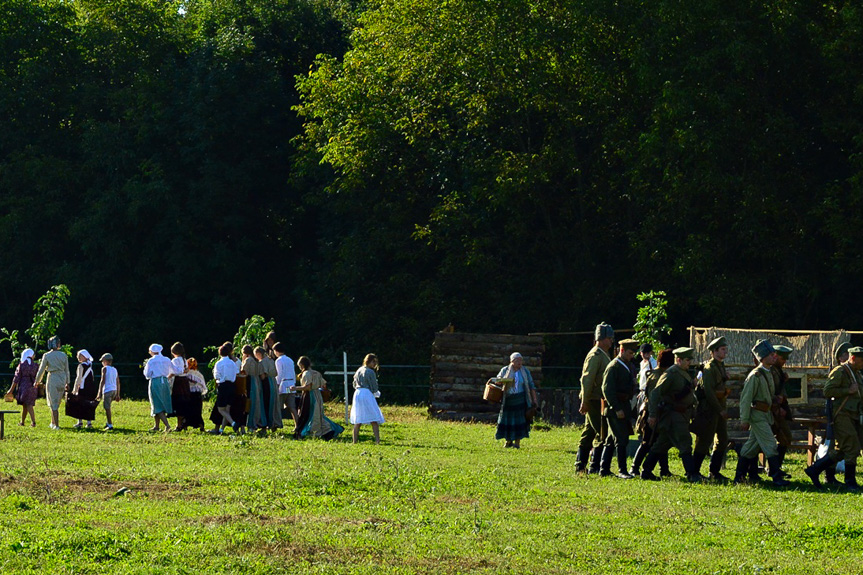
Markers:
(756, 400)
(591, 398)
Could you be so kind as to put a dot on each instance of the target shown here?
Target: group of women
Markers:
(254, 393)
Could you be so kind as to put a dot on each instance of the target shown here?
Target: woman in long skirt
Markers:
(157, 370)
(364, 408)
(24, 388)
(512, 425)
(257, 413)
(180, 389)
(270, 389)
(197, 392)
(81, 403)
(316, 424)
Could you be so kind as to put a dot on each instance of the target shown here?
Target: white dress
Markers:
(364, 408)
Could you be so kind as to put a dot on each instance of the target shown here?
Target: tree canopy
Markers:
(366, 174)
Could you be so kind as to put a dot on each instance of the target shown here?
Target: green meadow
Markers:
(434, 497)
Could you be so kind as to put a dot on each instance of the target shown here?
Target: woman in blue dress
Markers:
(520, 395)
(313, 422)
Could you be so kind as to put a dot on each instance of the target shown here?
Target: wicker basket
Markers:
(495, 388)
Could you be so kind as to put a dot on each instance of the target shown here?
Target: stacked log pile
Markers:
(462, 363)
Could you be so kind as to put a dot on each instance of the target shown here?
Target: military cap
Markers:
(858, 351)
(841, 349)
(717, 343)
(603, 331)
(762, 349)
(684, 353)
(783, 350)
(630, 344)
(106, 356)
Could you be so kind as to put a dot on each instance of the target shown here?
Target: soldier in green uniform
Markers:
(781, 409)
(840, 354)
(671, 407)
(755, 401)
(618, 387)
(663, 362)
(843, 385)
(710, 425)
(591, 398)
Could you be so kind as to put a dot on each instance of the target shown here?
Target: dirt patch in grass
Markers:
(57, 487)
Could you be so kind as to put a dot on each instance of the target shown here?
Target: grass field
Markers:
(434, 497)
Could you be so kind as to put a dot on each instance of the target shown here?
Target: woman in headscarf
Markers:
(56, 364)
(23, 387)
(157, 370)
(81, 401)
(520, 395)
(313, 422)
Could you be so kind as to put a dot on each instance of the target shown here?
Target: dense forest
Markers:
(366, 173)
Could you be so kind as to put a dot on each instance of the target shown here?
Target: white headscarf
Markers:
(87, 355)
(156, 348)
(514, 356)
(26, 355)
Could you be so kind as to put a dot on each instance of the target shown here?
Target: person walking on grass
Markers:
(617, 390)
(595, 363)
(157, 370)
(286, 377)
(225, 373)
(364, 408)
(710, 423)
(55, 364)
(24, 388)
(520, 395)
(109, 388)
(671, 408)
(756, 416)
(844, 387)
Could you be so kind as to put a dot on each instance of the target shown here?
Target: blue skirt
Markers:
(257, 410)
(511, 423)
(159, 391)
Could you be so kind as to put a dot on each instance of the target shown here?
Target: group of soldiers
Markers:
(679, 398)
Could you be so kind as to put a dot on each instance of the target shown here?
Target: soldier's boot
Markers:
(782, 451)
(830, 476)
(814, 470)
(639, 456)
(716, 467)
(689, 468)
(605, 461)
(776, 472)
(664, 471)
(851, 476)
(595, 456)
(621, 463)
(649, 463)
(743, 465)
(754, 469)
(581, 459)
(697, 462)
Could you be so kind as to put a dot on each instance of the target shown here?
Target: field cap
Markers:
(783, 350)
(106, 356)
(684, 353)
(841, 349)
(603, 331)
(156, 348)
(629, 344)
(762, 349)
(717, 343)
(858, 351)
